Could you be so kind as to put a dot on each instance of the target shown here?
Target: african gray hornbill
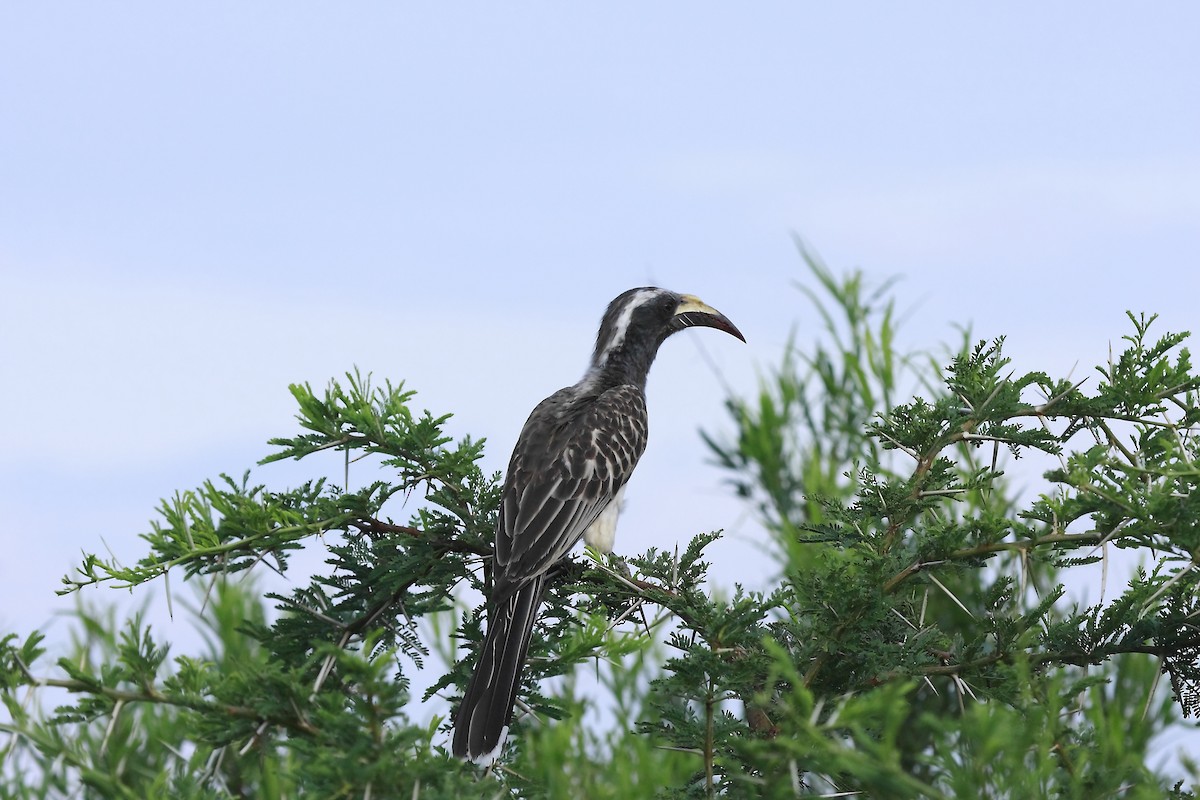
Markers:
(565, 480)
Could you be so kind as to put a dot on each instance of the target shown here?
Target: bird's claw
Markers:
(620, 565)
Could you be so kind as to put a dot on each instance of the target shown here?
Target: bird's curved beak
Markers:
(694, 311)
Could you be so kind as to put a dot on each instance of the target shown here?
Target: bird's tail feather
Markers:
(481, 722)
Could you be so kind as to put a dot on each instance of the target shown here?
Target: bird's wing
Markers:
(565, 469)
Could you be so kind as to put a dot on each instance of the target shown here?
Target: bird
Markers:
(565, 481)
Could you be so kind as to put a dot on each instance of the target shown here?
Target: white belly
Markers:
(602, 533)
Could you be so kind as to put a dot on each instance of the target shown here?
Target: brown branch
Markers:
(1073, 657)
(372, 525)
(297, 724)
(991, 548)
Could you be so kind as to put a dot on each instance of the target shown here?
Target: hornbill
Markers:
(565, 480)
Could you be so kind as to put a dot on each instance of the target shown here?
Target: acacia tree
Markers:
(915, 642)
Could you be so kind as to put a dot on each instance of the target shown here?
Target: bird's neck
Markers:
(621, 367)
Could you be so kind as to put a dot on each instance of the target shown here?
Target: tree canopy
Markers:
(915, 641)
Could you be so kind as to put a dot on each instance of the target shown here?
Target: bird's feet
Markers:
(610, 560)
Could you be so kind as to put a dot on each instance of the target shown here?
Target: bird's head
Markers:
(639, 320)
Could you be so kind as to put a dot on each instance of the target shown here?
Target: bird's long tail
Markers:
(481, 722)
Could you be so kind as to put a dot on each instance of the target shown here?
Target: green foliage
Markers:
(796, 440)
(924, 569)
(916, 640)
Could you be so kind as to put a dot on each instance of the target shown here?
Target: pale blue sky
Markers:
(200, 204)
